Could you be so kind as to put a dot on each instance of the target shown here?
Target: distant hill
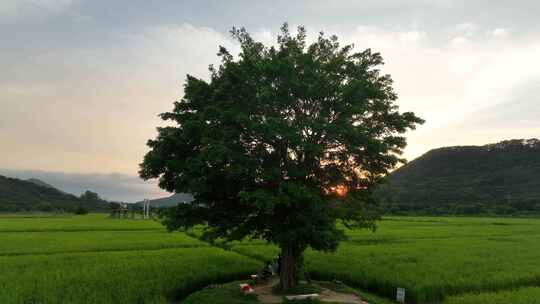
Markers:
(36, 195)
(41, 183)
(501, 178)
(170, 201)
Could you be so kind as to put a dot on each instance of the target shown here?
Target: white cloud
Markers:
(92, 109)
(458, 41)
(412, 36)
(467, 29)
(13, 10)
(500, 32)
(265, 36)
(446, 84)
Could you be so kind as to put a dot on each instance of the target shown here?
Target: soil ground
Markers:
(265, 294)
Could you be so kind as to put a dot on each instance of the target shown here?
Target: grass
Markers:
(90, 222)
(529, 295)
(221, 294)
(149, 276)
(95, 259)
(24, 243)
(432, 258)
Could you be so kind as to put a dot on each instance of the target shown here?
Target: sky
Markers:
(82, 82)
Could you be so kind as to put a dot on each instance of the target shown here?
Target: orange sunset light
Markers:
(338, 190)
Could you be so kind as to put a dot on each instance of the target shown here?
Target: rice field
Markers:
(95, 259)
(70, 223)
(530, 295)
(77, 260)
(432, 258)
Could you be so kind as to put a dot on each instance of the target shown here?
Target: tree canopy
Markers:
(90, 196)
(281, 143)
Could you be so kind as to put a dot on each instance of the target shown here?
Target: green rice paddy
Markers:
(77, 260)
(96, 259)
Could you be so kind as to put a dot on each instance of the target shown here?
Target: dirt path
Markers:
(338, 297)
(265, 295)
(264, 292)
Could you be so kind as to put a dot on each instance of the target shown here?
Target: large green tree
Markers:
(281, 143)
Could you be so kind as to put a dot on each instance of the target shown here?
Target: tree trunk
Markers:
(291, 263)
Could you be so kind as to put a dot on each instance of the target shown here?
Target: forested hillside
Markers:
(501, 178)
(20, 195)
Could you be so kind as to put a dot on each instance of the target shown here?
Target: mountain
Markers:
(170, 201)
(501, 178)
(36, 195)
(41, 183)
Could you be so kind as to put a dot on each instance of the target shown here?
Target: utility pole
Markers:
(146, 209)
